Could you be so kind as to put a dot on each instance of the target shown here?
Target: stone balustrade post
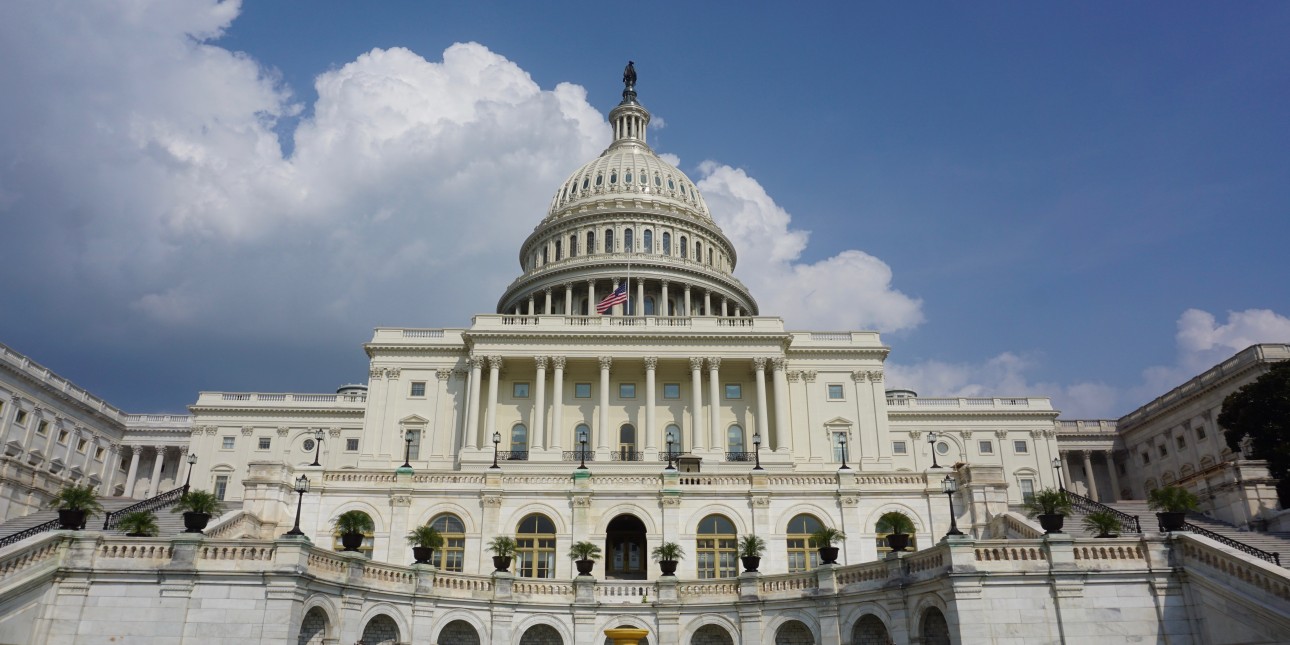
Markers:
(503, 585)
(749, 585)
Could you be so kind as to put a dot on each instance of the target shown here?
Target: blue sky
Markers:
(1087, 201)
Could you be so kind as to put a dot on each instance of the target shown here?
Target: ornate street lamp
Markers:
(497, 438)
(318, 437)
(582, 452)
(302, 487)
(842, 443)
(1057, 465)
(671, 439)
(931, 443)
(757, 450)
(192, 459)
(407, 448)
(948, 486)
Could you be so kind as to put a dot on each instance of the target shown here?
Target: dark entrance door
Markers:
(625, 548)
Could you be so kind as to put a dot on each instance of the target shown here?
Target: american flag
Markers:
(618, 297)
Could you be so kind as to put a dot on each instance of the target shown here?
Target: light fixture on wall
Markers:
(192, 459)
(302, 487)
(408, 436)
(931, 443)
(1057, 465)
(842, 443)
(318, 435)
(497, 438)
(582, 452)
(948, 486)
(757, 450)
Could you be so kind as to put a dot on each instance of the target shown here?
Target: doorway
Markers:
(625, 548)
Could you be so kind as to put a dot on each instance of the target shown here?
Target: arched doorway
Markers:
(459, 632)
(870, 630)
(540, 635)
(625, 548)
(381, 630)
(313, 629)
(794, 632)
(711, 635)
(933, 628)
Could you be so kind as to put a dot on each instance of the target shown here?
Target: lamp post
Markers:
(757, 450)
(192, 459)
(842, 443)
(582, 451)
(302, 487)
(931, 443)
(1057, 465)
(497, 438)
(671, 439)
(407, 449)
(318, 439)
(948, 486)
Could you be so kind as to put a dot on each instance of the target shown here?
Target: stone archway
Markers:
(459, 632)
(625, 548)
(381, 630)
(932, 628)
(870, 630)
(313, 628)
(712, 635)
(794, 632)
(541, 635)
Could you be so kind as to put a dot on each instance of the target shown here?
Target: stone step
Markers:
(1270, 542)
(167, 523)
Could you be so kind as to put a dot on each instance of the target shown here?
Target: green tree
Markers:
(1261, 410)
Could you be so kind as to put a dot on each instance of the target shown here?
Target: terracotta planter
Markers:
(71, 519)
(898, 541)
(502, 563)
(668, 567)
(751, 562)
(584, 566)
(422, 554)
(195, 522)
(351, 541)
(1052, 522)
(1172, 521)
(828, 555)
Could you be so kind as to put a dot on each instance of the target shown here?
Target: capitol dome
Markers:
(628, 216)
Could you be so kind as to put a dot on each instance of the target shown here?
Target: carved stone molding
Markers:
(696, 363)
(581, 501)
(966, 434)
(491, 501)
(247, 430)
(393, 372)
(794, 376)
(914, 434)
(606, 362)
(540, 362)
(401, 500)
(808, 376)
(494, 362)
(443, 374)
(196, 431)
(779, 363)
(760, 501)
(1035, 434)
(557, 362)
(875, 376)
(283, 431)
(334, 432)
(759, 364)
(376, 373)
(651, 363)
(1002, 434)
(860, 376)
(849, 500)
(671, 501)
(714, 363)
(211, 430)
(461, 375)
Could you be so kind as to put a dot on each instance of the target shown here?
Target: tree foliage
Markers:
(1261, 410)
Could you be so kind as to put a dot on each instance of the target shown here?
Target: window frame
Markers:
(450, 557)
(899, 447)
(715, 553)
(535, 551)
(414, 387)
(667, 387)
(264, 443)
(802, 555)
(228, 442)
(351, 441)
(520, 390)
(1020, 447)
(829, 392)
(738, 389)
(627, 390)
(578, 388)
(985, 446)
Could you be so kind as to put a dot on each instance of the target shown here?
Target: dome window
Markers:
(670, 184)
(613, 177)
(600, 179)
(628, 241)
(627, 178)
(683, 189)
(586, 181)
(657, 180)
(591, 242)
(649, 241)
(685, 249)
(667, 244)
(609, 240)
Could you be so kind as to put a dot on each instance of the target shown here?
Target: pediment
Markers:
(838, 421)
(413, 420)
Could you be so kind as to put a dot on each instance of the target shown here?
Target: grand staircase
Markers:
(167, 523)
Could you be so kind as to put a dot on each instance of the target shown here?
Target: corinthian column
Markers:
(782, 429)
(539, 404)
(714, 405)
(490, 424)
(602, 433)
(160, 452)
(698, 440)
(132, 477)
(651, 367)
(472, 411)
(763, 424)
(557, 402)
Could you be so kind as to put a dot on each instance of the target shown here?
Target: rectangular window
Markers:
(671, 390)
(80, 445)
(228, 443)
(1164, 449)
(414, 450)
(351, 445)
(264, 443)
(21, 419)
(520, 390)
(1200, 433)
(42, 428)
(899, 448)
(1146, 457)
(1027, 489)
(582, 390)
(835, 392)
(418, 388)
(1020, 447)
(626, 390)
(98, 454)
(221, 486)
(1182, 442)
(986, 447)
(62, 437)
(734, 391)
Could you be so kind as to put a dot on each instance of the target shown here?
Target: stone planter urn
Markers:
(1052, 522)
(668, 567)
(351, 541)
(502, 563)
(1172, 521)
(829, 555)
(898, 541)
(71, 519)
(422, 554)
(626, 635)
(750, 562)
(584, 566)
(195, 522)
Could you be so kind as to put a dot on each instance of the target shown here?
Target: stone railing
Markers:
(961, 403)
(628, 323)
(1198, 553)
(270, 399)
(719, 589)
(49, 379)
(1234, 365)
(234, 524)
(1011, 525)
(29, 556)
(625, 591)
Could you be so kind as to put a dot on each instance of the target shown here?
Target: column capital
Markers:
(808, 376)
(759, 363)
(875, 376)
(606, 362)
(494, 362)
(665, 283)
(557, 362)
(443, 374)
(860, 376)
(779, 362)
(547, 291)
(714, 363)
(540, 362)
(793, 376)
(696, 363)
(476, 362)
(591, 282)
(568, 285)
(651, 363)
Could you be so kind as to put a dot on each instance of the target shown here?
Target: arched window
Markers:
(649, 305)
(678, 439)
(628, 240)
(544, 256)
(452, 554)
(591, 242)
(648, 247)
(667, 243)
(609, 240)
(365, 548)
(802, 556)
(709, 257)
(535, 541)
(735, 441)
(578, 431)
(870, 629)
(573, 246)
(882, 530)
(698, 251)
(380, 629)
(685, 249)
(627, 443)
(519, 442)
(560, 256)
(715, 548)
(932, 627)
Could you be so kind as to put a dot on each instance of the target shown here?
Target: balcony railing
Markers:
(513, 455)
(579, 455)
(663, 455)
(741, 456)
(626, 455)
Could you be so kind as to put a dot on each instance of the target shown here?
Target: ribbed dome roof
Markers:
(628, 168)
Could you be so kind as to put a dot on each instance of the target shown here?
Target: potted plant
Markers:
(503, 549)
(823, 540)
(584, 556)
(1172, 503)
(352, 525)
(1106, 523)
(667, 555)
(197, 506)
(898, 528)
(75, 504)
(138, 524)
(750, 549)
(424, 539)
(1051, 506)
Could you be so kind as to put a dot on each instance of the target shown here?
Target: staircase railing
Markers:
(1127, 522)
(1269, 556)
(24, 534)
(163, 500)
